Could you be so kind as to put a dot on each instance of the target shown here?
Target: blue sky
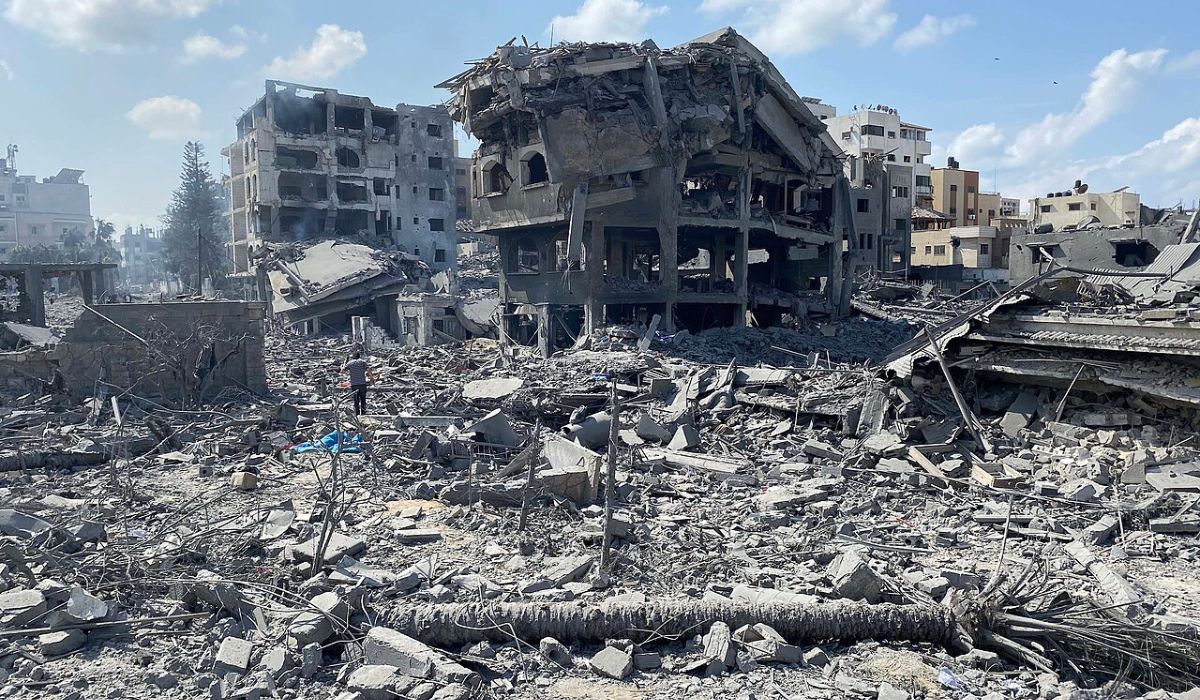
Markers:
(1034, 95)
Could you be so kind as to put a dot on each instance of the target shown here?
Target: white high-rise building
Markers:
(878, 131)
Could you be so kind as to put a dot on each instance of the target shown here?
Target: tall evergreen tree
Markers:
(194, 231)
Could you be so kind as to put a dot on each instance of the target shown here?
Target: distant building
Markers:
(141, 256)
(901, 147)
(462, 189)
(1073, 209)
(1010, 206)
(36, 213)
(311, 163)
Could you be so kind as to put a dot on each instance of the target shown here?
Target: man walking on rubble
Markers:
(360, 378)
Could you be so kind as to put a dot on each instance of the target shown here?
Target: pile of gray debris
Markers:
(604, 522)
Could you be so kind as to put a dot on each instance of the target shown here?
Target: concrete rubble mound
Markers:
(712, 480)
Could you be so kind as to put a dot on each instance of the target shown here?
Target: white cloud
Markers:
(798, 26)
(106, 25)
(201, 46)
(930, 29)
(605, 20)
(333, 50)
(166, 118)
(1164, 170)
(1115, 82)
(976, 145)
(1184, 63)
(6, 71)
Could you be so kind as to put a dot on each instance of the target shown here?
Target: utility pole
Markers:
(199, 261)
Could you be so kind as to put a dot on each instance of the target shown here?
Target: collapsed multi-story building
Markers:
(626, 181)
(311, 163)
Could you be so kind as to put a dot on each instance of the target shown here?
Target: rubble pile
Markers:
(816, 528)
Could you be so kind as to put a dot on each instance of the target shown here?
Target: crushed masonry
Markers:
(674, 435)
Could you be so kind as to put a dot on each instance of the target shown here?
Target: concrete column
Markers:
(741, 272)
(668, 237)
(545, 334)
(35, 290)
(87, 285)
(593, 312)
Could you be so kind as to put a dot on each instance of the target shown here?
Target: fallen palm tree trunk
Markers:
(453, 624)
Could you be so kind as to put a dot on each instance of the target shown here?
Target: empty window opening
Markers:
(437, 194)
(435, 162)
(295, 158)
(434, 130)
(984, 249)
(351, 192)
(864, 206)
(380, 186)
(535, 169)
(383, 123)
(349, 119)
(437, 224)
(439, 255)
(308, 188)
(495, 179)
(1075, 206)
(348, 158)
(525, 258)
(939, 250)
(1134, 253)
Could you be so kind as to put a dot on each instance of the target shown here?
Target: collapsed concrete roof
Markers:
(331, 276)
(688, 102)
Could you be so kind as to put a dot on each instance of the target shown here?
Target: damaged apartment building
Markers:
(310, 163)
(626, 182)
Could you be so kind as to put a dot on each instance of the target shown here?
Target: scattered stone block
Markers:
(19, 607)
(816, 448)
(14, 523)
(816, 657)
(613, 663)
(718, 646)
(378, 682)
(647, 660)
(571, 483)
(233, 655)
(648, 429)
(568, 569)
(61, 642)
(244, 481)
(555, 650)
(686, 438)
(413, 658)
(853, 578)
(85, 607)
(339, 546)
(765, 645)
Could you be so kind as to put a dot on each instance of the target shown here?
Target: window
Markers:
(891, 157)
(414, 189)
(347, 158)
(891, 134)
(435, 162)
(928, 250)
(900, 224)
(1074, 206)
(953, 211)
(495, 179)
(414, 157)
(864, 205)
(900, 192)
(845, 135)
(912, 250)
(1046, 208)
(1093, 206)
(907, 159)
(991, 213)
(924, 181)
(984, 249)
(970, 189)
(970, 211)
(939, 250)
(416, 220)
(872, 130)
(526, 259)
(439, 255)
(437, 225)
(434, 130)
(535, 169)
(953, 188)
(437, 194)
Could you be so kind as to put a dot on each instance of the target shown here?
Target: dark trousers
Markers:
(360, 398)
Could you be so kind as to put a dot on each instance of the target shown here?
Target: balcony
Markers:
(924, 189)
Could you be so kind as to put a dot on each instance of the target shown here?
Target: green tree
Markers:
(43, 254)
(103, 248)
(194, 225)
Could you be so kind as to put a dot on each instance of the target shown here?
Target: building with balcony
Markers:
(877, 131)
(34, 213)
(661, 203)
(311, 163)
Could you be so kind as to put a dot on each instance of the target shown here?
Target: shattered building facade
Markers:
(625, 182)
(34, 213)
(311, 163)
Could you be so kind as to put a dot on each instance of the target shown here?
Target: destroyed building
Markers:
(625, 182)
(311, 163)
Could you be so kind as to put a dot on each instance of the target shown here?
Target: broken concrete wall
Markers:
(1101, 249)
(223, 338)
